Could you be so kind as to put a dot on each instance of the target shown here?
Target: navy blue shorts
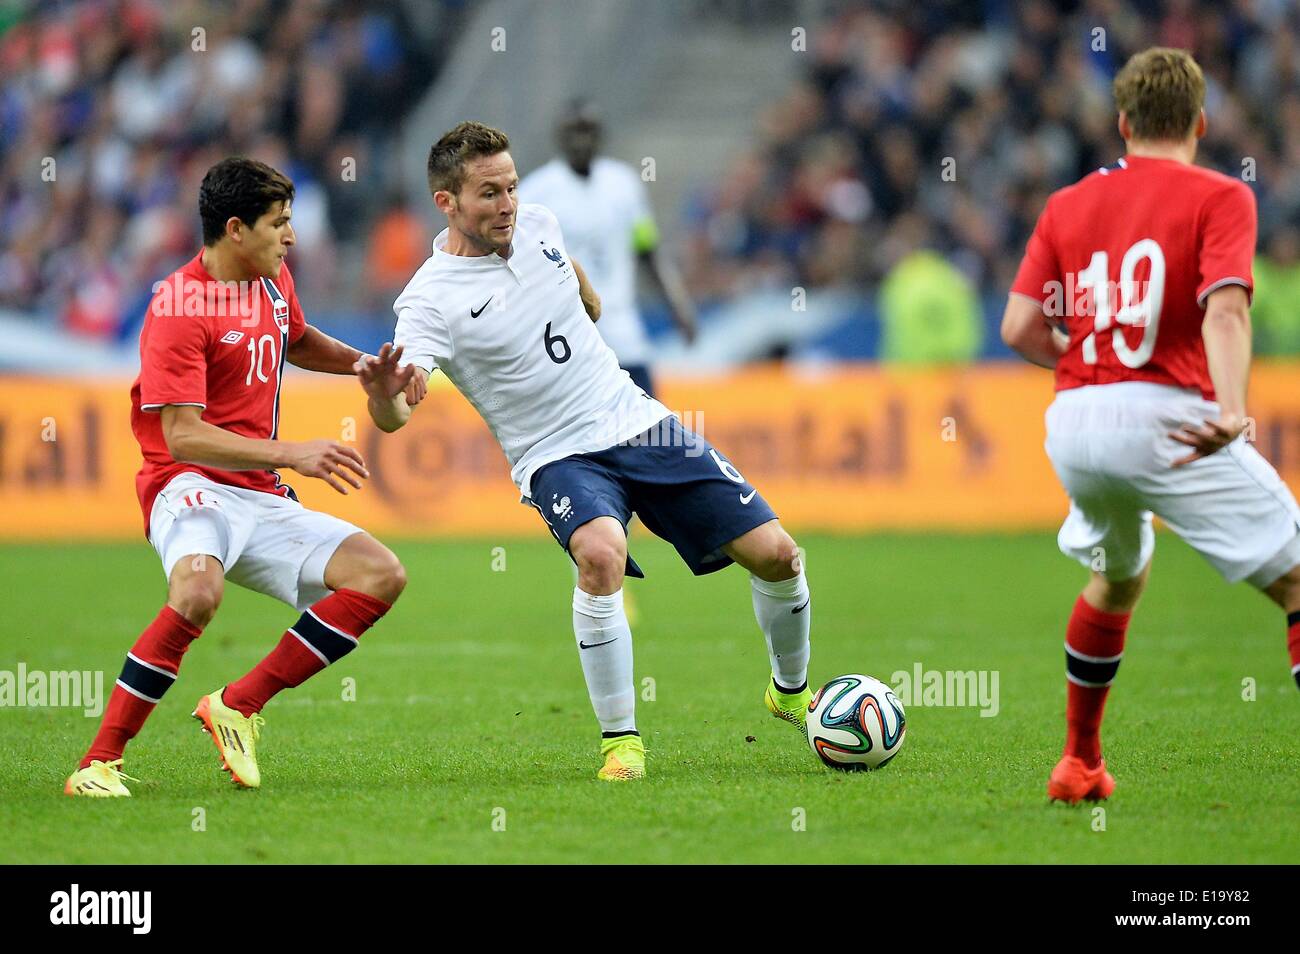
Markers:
(682, 489)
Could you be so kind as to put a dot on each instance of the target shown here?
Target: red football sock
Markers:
(324, 634)
(1094, 643)
(149, 671)
(1293, 643)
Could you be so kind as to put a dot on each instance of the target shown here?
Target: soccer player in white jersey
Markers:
(502, 309)
(604, 213)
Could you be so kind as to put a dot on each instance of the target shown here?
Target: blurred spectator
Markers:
(1275, 313)
(398, 247)
(111, 111)
(929, 313)
(958, 119)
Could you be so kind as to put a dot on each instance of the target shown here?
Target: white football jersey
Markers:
(599, 214)
(513, 337)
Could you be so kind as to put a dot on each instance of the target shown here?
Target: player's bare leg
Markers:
(1094, 645)
(600, 626)
(194, 592)
(366, 578)
(783, 609)
(1285, 592)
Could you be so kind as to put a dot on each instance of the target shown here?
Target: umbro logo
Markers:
(475, 314)
(231, 337)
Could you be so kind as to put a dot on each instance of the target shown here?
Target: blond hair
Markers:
(1161, 91)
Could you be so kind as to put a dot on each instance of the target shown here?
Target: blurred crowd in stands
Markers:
(941, 127)
(908, 164)
(112, 110)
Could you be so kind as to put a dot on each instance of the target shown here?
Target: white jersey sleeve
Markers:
(421, 331)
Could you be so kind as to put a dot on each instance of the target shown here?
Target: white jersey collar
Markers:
(478, 262)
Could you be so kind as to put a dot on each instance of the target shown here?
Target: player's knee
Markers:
(780, 558)
(1285, 590)
(383, 577)
(1114, 596)
(197, 597)
(395, 579)
(601, 561)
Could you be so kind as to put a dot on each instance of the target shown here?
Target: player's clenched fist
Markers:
(331, 461)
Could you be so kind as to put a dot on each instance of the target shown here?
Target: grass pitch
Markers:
(471, 740)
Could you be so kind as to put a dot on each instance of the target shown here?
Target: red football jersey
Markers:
(219, 346)
(1125, 259)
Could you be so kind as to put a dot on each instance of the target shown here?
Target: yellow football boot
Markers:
(99, 780)
(235, 737)
(790, 706)
(624, 759)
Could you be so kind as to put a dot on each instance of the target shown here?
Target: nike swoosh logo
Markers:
(475, 314)
(582, 645)
(800, 609)
(746, 498)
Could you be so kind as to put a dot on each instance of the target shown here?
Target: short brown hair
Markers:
(466, 141)
(239, 188)
(1161, 90)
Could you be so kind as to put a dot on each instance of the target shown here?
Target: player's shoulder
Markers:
(534, 215)
(425, 289)
(177, 296)
(1215, 184)
(1188, 180)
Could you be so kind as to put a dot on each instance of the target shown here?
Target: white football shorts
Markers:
(1110, 447)
(266, 543)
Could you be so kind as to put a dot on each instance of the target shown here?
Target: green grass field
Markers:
(469, 699)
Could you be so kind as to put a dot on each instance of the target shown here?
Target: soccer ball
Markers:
(855, 722)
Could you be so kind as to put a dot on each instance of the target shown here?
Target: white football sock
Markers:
(784, 614)
(605, 649)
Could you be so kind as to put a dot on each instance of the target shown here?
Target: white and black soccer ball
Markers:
(855, 722)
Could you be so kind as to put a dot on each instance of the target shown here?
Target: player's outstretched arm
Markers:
(1226, 333)
(392, 389)
(317, 351)
(590, 300)
(192, 440)
(1026, 331)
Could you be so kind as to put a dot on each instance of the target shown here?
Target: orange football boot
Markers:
(1072, 781)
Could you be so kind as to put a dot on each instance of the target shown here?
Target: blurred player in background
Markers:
(206, 412)
(604, 213)
(507, 314)
(1148, 264)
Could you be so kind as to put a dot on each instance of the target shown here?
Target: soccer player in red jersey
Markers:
(1147, 264)
(205, 410)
